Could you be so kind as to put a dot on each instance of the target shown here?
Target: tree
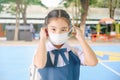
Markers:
(23, 4)
(1, 5)
(23, 7)
(99, 3)
(75, 9)
(19, 8)
(110, 4)
(17, 15)
(81, 10)
(85, 7)
(112, 7)
(93, 3)
(17, 20)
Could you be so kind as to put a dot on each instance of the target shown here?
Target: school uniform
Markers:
(62, 64)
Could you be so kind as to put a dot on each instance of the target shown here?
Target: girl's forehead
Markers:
(58, 22)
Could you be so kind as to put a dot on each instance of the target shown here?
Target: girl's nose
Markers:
(58, 32)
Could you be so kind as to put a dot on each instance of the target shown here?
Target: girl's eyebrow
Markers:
(61, 27)
(64, 27)
(53, 26)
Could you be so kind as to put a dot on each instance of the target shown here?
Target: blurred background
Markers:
(20, 23)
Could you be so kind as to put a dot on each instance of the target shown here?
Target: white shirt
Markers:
(78, 52)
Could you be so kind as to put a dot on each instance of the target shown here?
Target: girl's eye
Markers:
(53, 29)
(63, 30)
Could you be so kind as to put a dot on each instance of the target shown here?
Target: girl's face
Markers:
(58, 26)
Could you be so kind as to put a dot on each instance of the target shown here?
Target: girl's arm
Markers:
(40, 57)
(90, 57)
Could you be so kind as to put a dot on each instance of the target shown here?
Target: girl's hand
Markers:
(78, 33)
(44, 33)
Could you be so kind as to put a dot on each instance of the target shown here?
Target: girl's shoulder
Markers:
(76, 50)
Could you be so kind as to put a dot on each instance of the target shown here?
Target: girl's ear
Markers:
(46, 30)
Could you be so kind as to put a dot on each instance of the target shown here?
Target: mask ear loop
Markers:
(70, 32)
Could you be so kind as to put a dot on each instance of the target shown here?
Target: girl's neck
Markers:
(58, 46)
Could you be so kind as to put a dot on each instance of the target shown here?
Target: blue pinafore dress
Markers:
(68, 72)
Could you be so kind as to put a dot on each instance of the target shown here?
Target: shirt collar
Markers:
(50, 46)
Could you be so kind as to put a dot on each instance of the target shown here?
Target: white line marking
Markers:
(109, 60)
(109, 68)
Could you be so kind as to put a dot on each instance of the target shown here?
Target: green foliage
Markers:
(1, 8)
(13, 2)
(32, 2)
(11, 9)
(99, 3)
(68, 3)
(93, 3)
(102, 3)
(118, 4)
(40, 3)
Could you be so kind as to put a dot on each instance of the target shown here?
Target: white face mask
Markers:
(58, 39)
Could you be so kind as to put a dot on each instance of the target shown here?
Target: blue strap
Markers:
(64, 58)
(56, 59)
(49, 62)
(61, 52)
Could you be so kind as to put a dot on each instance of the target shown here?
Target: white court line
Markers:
(109, 68)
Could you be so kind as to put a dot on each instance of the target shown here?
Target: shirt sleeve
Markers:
(80, 55)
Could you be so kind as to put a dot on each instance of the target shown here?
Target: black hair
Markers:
(56, 14)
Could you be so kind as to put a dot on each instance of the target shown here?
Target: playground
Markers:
(107, 29)
(15, 61)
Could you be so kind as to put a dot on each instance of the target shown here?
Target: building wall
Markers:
(36, 14)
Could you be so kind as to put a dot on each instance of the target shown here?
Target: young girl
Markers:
(54, 58)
